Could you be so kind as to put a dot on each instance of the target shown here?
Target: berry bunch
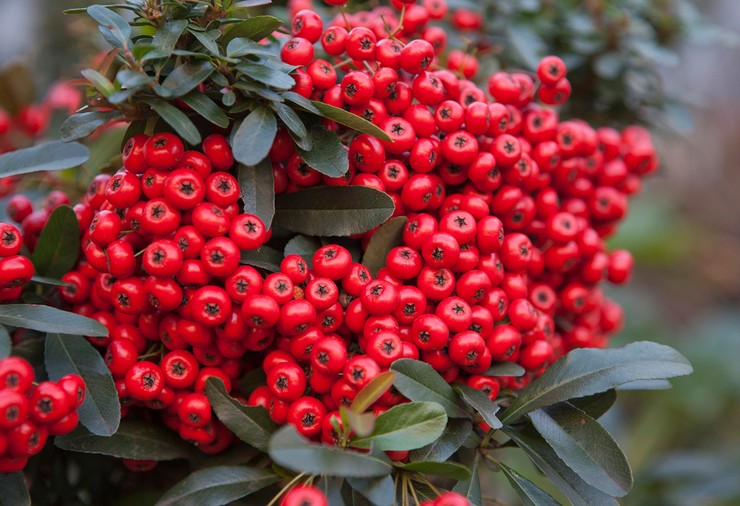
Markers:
(30, 412)
(15, 270)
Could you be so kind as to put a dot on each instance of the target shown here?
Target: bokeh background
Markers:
(673, 65)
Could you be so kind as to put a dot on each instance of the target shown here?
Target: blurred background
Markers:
(673, 65)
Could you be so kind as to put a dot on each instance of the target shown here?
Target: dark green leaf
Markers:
(406, 427)
(253, 139)
(135, 439)
(419, 382)
(99, 82)
(166, 38)
(575, 489)
(294, 124)
(265, 75)
(58, 246)
(251, 3)
(529, 493)
(597, 404)
(83, 124)
(585, 371)
(505, 369)
(377, 490)
(387, 237)
(584, 446)
(251, 424)
(255, 28)
(258, 190)
(242, 46)
(200, 103)
(177, 119)
(480, 402)
(251, 380)
(332, 210)
(100, 413)
(373, 391)
(14, 491)
(265, 258)
(208, 40)
(454, 435)
(645, 385)
(114, 28)
(452, 470)
(294, 452)
(351, 497)
(350, 120)
(131, 79)
(49, 319)
(470, 488)
(5, 343)
(301, 101)
(304, 246)
(55, 155)
(219, 485)
(185, 78)
(328, 155)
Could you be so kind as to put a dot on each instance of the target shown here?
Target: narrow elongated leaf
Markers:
(15, 492)
(48, 281)
(218, 485)
(362, 424)
(376, 490)
(528, 492)
(251, 424)
(597, 404)
(296, 127)
(387, 237)
(208, 40)
(49, 319)
(58, 246)
(265, 258)
(480, 402)
(255, 28)
(406, 427)
(99, 82)
(5, 343)
(114, 28)
(332, 210)
(585, 371)
(419, 382)
(177, 119)
(584, 446)
(258, 190)
(131, 79)
(350, 120)
(207, 108)
(83, 124)
(304, 246)
(301, 102)
(452, 470)
(54, 155)
(267, 76)
(373, 391)
(470, 488)
(327, 155)
(166, 39)
(454, 435)
(134, 439)
(100, 413)
(645, 385)
(242, 46)
(544, 457)
(185, 78)
(505, 369)
(252, 3)
(253, 139)
(291, 450)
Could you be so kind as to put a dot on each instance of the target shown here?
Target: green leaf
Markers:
(242, 46)
(132, 79)
(14, 490)
(362, 424)
(291, 450)
(208, 40)
(296, 127)
(328, 155)
(165, 39)
(480, 402)
(255, 28)
(48, 281)
(373, 391)
(58, 246)
(301, 102)
(376, 490)
(268, 76)
(49, 319)
(253, 139)
(505, 369)
(83, 124)
(134, 439)
(470, 488)
(454, 435)
(185, 78)
(350, 120)
(586, 371)
(529, 493)
(258, 190)
(100, 413)
(452, 470)
(597, 404)
(219, 485)
(387, 237)
(332, 210)
(251, 3)
(6, 344)
(527, 43)
(584, 446)
(406, 427)
(99, 82)
(114, 28)
(177, 119)
(54, 155)
(303, 246)
(645, 385)
(265, 258)
(575, 489)
(419, 382)
(251, 424)
(207, 108)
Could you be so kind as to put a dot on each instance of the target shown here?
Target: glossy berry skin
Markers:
(306, 414)
(163, 151)
(144, 381)
(11, 240)
(307, 495)
(286, 381)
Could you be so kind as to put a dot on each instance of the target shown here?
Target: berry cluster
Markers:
(31, 412)
(15, 270)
